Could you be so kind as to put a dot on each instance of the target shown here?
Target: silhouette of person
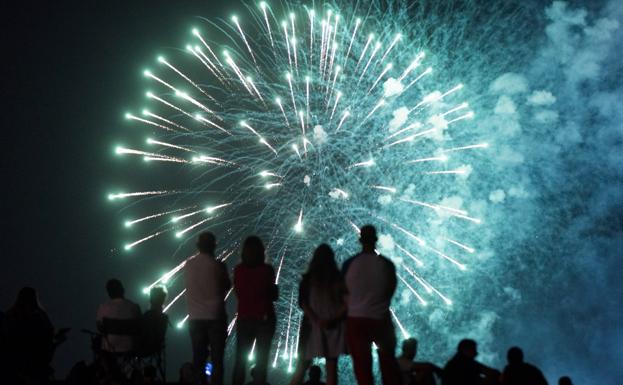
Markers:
(565, 381)
(254, 379)
(154, 323)
(371, 282)
(117, 308)
(463, 369)
(518, 372)
(314, 376)
(254, 284)
(29, 339)
(322, 297)
(207, 283)
(416, 373)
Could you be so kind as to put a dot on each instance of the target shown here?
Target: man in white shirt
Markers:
(371, 282)
(207, 283)
(118, 320)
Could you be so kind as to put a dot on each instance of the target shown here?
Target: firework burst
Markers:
(301, 125)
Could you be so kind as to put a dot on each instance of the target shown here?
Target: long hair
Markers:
(253, 251)
(27, 303)
(323, 269)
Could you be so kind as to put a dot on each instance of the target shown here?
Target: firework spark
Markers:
(358, 132)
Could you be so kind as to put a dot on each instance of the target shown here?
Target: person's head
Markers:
(514, 355)
(206, 243)
(323, 268)
(115, 289)
(468, 348)
(409, 348)
(253, 251)
(315, 373)
(27, 299)
(157, 295)
(253, 372)
(367, 236)
(565, 381)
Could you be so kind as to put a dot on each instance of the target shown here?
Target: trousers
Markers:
(360, 334)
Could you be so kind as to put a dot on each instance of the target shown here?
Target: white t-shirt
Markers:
(207, 283)
(370, 280)
(122, 309)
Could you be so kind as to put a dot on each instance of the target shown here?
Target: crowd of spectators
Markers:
(345, 313)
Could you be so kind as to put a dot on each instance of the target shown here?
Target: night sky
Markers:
(72, 69)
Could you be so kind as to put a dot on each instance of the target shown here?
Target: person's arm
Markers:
(137, 311)
(99, 319)
(426, 367)
(489, 372)
(343, 309)
(225, 278)
(542, 380)
(236, 283)
(304, 301)
(274, 289)
(391, 279)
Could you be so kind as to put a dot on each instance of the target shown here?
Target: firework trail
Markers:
(301, 125)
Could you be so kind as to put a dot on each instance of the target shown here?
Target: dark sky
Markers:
(71, 69)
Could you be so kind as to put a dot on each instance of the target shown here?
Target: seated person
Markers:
(463, 369)
(118, 320)
(415, 373)
(314, 376)
(518, 372)
(154, 323)
(254, 380)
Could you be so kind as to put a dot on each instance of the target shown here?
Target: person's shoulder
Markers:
(350, 260)
(387, 261)
(128, 302)
(268, 268)
(534, 369)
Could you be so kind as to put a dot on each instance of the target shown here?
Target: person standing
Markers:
(29, 338)
(322, 298)
(207, 283)
(254, 284)
(371, 282)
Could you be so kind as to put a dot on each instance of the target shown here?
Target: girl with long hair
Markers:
(322, 297)
(254, 284)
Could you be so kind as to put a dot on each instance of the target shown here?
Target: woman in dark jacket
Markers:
(254, 284)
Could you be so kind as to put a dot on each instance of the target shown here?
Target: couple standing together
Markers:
(343, 311)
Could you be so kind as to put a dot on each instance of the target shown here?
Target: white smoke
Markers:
(392, 87)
